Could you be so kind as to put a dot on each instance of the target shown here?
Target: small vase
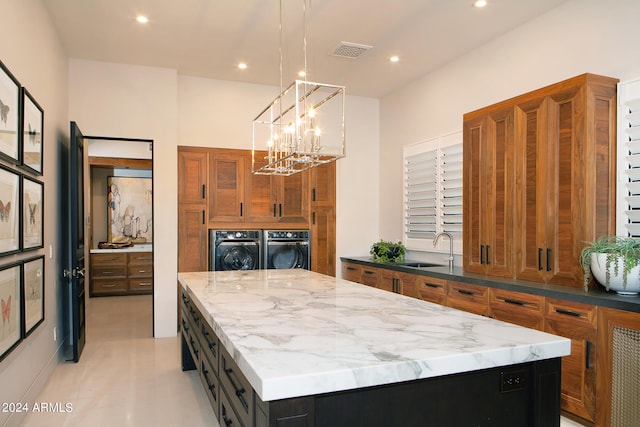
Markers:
(599, 271)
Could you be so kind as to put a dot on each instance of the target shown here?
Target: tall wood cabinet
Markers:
(193, 166)
(216, 189)
(539, 180)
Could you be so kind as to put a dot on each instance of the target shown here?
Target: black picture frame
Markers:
(33, 294)
(32, 230)
(31, 134)
(10, 212)
(11, 303)
(10, 115)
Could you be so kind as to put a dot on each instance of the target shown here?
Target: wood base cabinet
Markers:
(121, 273)
(577, 322)
(539, 180)
(618, 368)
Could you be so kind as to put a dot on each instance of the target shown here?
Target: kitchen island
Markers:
(296, 348)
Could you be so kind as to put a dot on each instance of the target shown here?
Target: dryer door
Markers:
(237, 256)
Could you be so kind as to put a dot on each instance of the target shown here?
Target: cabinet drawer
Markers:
(432, 289)
(370, 277)
(351, 272)
(571, 312)
(114, 285)
(210, 345)
(515, 307)
(140, 258)
(108, 258)
(210, 382)
(471, 298)
(106, 271)
(228, 416)
(237, 388)
(140, 270)
(141, 284)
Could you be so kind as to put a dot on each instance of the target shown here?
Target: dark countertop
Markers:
(599, 296)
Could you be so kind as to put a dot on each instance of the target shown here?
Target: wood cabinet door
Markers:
(578, 385)
(192, 176)
(323, 185)
(293, 198)
(551, 176)
(192, 238)
(260, 194)
(323, 240)
(488, 193)
(226, 187)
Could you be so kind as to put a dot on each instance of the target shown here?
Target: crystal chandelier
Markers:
(302, 127)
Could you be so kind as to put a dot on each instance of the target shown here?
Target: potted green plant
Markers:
(614, 262)
(384, 251)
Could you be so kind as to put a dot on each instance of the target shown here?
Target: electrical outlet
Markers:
(55, 333)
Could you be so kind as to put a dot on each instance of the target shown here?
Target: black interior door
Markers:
(75, 270)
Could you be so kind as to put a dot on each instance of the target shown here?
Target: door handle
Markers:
(548, 259)
(481, 254)
(488, 260)
(539, 258)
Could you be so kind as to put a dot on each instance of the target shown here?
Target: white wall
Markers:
(577, 37)
(128, 101)
(34, 55)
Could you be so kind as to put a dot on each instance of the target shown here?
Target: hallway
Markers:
(124, 377)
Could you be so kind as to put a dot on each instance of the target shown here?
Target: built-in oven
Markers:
(235, 250)
(287, 249)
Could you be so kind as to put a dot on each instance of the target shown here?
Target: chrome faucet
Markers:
(435, 242)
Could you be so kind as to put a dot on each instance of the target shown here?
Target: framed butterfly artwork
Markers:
(10, 100)
(31, 134)
(10, 300)
(33, 293)
(9, 211)
(32, 218)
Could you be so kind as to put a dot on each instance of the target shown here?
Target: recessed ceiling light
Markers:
(242, 66)
(301, 73)
(394, 59)
(142, 19)
(480, 3)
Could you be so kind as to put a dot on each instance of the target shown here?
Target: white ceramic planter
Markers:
(598, 269)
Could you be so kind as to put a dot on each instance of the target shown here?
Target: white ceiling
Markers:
(208, 38)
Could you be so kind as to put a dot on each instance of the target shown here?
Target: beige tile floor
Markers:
(124, 377)
(127, 378)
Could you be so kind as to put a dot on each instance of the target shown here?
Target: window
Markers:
(433, 193)
(628, 197)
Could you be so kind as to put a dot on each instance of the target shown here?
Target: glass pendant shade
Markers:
(302, 128)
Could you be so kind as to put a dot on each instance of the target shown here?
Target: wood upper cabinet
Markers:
(226, 186)
(236, 195)
(488, 193)
(578, 385)
(532, 167)
(323, 185)
(192, 176)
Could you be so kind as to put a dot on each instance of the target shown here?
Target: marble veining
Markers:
(297, 333)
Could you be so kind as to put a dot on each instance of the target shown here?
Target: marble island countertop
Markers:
(297, 333)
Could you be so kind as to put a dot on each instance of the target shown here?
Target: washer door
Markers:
(238, 258)
(287, 256)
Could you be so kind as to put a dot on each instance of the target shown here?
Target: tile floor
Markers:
(124, 377)
(127, 378)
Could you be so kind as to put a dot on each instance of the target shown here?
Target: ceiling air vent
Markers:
(350, 50)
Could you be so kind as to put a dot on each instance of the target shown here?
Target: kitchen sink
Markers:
(419, 264)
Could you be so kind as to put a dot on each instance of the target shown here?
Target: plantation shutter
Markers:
(433, 192)
(628, 221)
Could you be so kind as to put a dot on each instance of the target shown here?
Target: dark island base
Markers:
(526, 395)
